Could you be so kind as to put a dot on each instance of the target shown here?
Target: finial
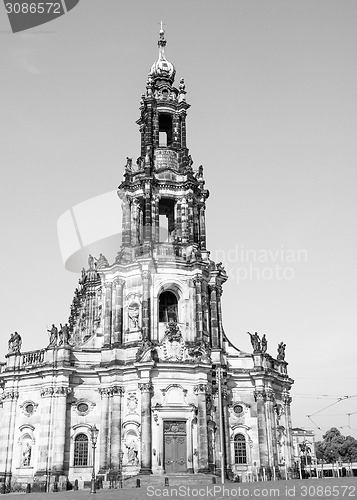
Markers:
(161, 42)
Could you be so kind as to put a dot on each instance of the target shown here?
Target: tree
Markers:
(336, 447)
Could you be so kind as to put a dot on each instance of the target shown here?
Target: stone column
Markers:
(199, 319)
(219, 313)
(190, 219)
(108, 314)
(176, 131)
(146, 305)
(196, 224)
(146, 390)
(59, 430)
(115, 433)
(117, 314)
(134, 223)
(202, 227)
(214, 318)
(259, 395)
(183, 129)
(227, 440)
(184, 220)
(126, 222)
(217, 421)
(155, 219)
(288, 426)
(271, 421)
(9, 400)
(148, 216)
(178, 220)
(200, 391)
(105, 393)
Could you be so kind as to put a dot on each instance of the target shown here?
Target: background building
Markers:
(145, 357)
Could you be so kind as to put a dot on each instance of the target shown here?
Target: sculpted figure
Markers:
(14, 343)
(91, 261)
(26, 456)
(64, 334)
(132, 452)
(53, 336)
(264, 344)
(281, 351)
(129, 165)
(255, 341)
(134, 317)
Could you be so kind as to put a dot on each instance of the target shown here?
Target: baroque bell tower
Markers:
(164, 230)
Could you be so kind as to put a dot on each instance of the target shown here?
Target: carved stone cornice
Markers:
(146, 387)
(9, 395)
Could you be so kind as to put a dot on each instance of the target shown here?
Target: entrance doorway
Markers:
(175, 451)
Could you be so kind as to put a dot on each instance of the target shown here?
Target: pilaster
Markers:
(146, 392)
(116, 423)
(259, 395)
(105, 393)
(200, 391)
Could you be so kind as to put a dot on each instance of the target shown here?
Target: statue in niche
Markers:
(53, 336)
(134, 317)
(139, 163)
(132, 451)
(132, 402)
(281, 351)
(14, 343)
(26, 456)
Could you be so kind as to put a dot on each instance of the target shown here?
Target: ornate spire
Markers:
(162, 68)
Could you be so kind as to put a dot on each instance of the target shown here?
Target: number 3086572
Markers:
(33, 8)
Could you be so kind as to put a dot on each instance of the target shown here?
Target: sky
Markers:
(272, 85)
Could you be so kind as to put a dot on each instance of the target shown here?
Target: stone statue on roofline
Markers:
(64, 334)
(264, 344)
(14, 343)
(53, 336)
(255, 341)
(281, 351)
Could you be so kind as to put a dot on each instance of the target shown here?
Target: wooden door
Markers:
(175, 451)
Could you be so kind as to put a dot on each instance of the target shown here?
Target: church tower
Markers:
(144, 356)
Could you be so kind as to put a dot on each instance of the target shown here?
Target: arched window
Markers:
(167, 307)
(240, 450)
(80, 450)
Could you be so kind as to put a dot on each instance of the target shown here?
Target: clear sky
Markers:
(272, 86)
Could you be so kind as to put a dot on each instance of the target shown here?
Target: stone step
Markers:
(173, 480)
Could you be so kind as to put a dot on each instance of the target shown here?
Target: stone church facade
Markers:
(144, 356)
